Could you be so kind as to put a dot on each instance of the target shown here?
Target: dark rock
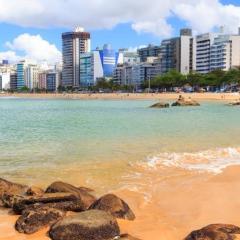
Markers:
(34, 191)
(20, 202)
(160, 105)
(215, 232)
(182, 102)
(81, 193)
(88, 225)
(235, 103)
(127, 237)
(115, 206)
(73, 206)
(32, 221)
(10, 188)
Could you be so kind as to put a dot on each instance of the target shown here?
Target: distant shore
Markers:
(127, 96)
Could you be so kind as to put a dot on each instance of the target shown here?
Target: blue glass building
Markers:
(20, 75)
(109, 60)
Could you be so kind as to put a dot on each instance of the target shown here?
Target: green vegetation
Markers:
(215, 80)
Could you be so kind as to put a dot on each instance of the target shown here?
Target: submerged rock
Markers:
(160, 105)
(115, 206)
(182, 102)
(215, 232)
(10, 188)
(81, 193)
(235, 103)
(88, 225)
(32, 221)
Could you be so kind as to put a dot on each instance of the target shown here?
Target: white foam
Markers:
(213, 161)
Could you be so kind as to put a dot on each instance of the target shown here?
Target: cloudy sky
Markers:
(32, 28)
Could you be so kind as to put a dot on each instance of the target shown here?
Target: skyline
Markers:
(32, 36)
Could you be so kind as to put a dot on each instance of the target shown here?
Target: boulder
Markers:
(127, 237)
(81, 193)
(235, 103)
(160, 105)
(88, 225)
(10, 188)
(20, 201)
(32, 221)
(182, 102)
(73, 206)
(215, 232)
(115, 206)
(34, 191)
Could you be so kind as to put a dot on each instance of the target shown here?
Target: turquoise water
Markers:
(37, 137)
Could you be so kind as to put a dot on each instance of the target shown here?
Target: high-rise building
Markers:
(13, 81)
(203, 52)
(73, 45)
(149, 51)
(225, 52)
(21, 66)
(178, 53)
(31, 76)
(100, 63)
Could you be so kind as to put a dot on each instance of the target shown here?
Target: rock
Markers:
(184, 103)
(160, 105)
(215, 232)
(127, 237)
(32, 221)
(20, 202)
(88, 225)
(115, 206)
(34, 191)
(81, 193)
(10, 188)
(235, 103)
(73, 206)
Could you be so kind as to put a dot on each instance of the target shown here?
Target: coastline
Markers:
(127, 96)
(164, 217)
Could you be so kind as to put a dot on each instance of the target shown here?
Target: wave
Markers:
(212, 161)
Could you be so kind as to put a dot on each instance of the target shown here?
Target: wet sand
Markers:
(177, 202)
(130, 96)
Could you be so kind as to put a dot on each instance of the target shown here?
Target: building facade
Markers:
(31, 76)
(178, 53)
(100, 63)
(73, 45)
(149, 51)
(21, 66)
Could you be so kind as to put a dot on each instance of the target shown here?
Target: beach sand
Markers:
(178, 202)
(130, 96)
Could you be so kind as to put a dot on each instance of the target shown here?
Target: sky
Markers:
(31, 29)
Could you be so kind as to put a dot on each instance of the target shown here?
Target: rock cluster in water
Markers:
(72, 213)
(181, 102)
(235, 103)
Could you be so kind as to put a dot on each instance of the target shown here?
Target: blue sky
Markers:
(132, 28)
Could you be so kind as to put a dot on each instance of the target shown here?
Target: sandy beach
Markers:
(129, 96)
(179, 204)
(177, 169)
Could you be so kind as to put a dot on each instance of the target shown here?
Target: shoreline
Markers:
(127, 96)
(163, 217)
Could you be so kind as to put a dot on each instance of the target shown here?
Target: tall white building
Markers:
(31, 76)
(225, 52)
(73, 45)
(204, 43)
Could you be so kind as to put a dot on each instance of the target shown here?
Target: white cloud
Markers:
(31, 47)
(145, 17)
